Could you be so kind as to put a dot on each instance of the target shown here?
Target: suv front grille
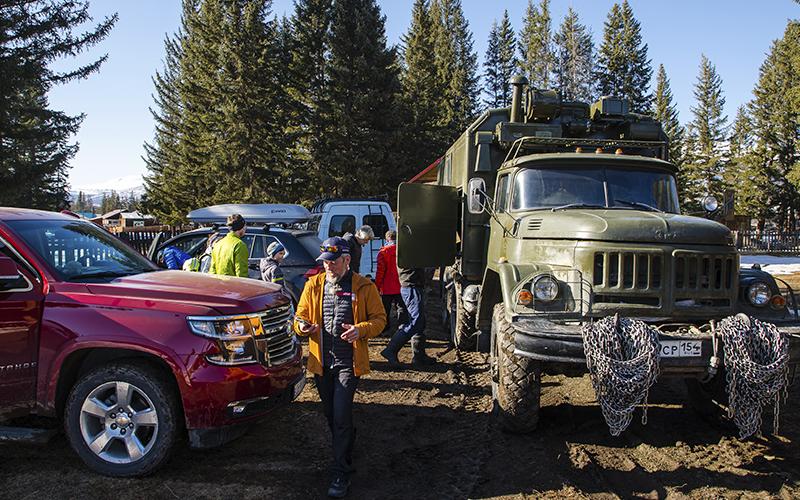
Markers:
(275, 345)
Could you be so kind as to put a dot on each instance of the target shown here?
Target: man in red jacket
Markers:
(387, 280)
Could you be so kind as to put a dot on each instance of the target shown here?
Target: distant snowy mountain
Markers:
(123, 186)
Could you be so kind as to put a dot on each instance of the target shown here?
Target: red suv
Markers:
(129, 355)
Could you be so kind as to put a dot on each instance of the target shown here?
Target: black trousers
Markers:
(402, 311)
(337, 387)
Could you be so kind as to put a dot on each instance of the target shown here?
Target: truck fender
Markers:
(509, 278)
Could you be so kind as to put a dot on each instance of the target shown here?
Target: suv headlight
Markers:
(233, 336)
(759, 294)
(545, 288)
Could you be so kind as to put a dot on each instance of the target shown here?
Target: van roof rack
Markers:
(319, 205)
(254, 213)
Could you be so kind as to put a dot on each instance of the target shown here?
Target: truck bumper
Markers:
(550, 342)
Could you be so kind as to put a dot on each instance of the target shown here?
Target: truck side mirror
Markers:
(9, 275)
(476, 203)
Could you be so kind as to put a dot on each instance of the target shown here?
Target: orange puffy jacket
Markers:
(386, 278)
(368, 314)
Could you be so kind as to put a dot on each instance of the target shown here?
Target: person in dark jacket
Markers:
(356, 241)
(270, 266)
(412, 289)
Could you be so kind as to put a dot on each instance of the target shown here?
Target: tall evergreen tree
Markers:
(362, 139)
(219, 135)
(456, 65)
(702, 172)
(500, 63)
(34, 139)
(623, 69)
(665, 111)
(574, 59)
(745, 173)
(537, 59)
(423, 92)
(776, 120)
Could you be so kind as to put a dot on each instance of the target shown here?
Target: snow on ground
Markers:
(776, 265)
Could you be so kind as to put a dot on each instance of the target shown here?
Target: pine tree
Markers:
(500, 63)
(623, 69)
(665, 111)
(574, 59)
(537, 59)
(456, 66)
(745, 173)
(307, 39)
(362, 141)
(34, 140)
(702, 173)
(423, 92)
(776, 120)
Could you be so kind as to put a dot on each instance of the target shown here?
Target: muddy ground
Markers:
(430, 434)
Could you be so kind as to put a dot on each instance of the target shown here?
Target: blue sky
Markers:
(734, 34)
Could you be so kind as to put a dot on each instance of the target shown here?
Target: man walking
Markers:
(387, 281)
(356, 241)
(339, 310)
(412, 289)
(229, 255)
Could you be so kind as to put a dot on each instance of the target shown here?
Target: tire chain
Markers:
(622, 356)
(757, 371)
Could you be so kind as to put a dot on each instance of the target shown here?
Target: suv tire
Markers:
(516, 381)
(130, 443)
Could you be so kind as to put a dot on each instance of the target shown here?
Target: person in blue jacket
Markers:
(174, 257)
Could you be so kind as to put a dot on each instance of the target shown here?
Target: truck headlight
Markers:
(759, 294)
(233, 336)
(545, 288)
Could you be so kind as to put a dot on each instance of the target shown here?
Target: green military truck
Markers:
(548, 216)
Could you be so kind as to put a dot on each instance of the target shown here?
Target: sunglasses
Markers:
(332, 249)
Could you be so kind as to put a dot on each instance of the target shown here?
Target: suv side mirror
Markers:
(9, 275)
(476, 203)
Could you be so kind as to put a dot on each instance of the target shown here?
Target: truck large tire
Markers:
(516, 381)
(122, 419)
(463, 331)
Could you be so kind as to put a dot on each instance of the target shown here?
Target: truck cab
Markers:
(129, 357)
(547, 218)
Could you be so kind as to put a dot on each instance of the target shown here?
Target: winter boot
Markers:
(418, 343)
(391, 350)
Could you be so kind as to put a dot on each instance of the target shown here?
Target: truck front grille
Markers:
(628, 270)
(698, 272)
(276, 345)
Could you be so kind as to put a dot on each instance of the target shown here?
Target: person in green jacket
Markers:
(229, 256)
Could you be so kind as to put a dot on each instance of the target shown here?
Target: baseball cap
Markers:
(333, 248)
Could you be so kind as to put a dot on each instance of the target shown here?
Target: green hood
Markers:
(623, 226)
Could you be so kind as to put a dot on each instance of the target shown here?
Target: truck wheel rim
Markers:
(119, 422)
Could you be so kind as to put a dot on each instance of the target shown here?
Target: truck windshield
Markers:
(79, 250)
(624, 188)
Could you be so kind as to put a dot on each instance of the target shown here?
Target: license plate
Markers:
(681, 348)
(298, 388)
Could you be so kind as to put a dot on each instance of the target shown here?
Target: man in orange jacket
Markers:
(339, 311)
(387, 281)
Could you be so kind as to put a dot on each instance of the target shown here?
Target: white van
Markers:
(335, 217)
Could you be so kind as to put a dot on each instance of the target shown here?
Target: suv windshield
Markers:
(605, 187)
(80, 251)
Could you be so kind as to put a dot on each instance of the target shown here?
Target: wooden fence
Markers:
(141, 238)
(772, 242)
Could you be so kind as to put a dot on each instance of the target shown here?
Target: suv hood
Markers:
(623, 225)
(224, 294)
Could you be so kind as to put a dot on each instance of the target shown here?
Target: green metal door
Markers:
(426, 225)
